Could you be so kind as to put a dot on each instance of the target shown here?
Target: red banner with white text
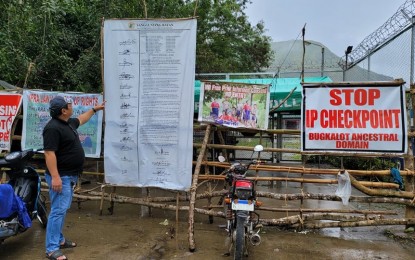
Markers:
(9, 107)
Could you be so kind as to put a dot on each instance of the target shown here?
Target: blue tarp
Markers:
(280, 88)
(11, 203)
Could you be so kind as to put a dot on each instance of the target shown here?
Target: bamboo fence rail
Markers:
(199, 199)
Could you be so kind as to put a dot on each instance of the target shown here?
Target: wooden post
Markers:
(209, 199)
(409, 163)
(409, 181)
(193, 188)
(111, 208)
(176, 233)
(222, 141)
(145, 211)
(102, 199)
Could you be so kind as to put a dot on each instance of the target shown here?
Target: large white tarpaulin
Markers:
(149, 70)
(354, 118)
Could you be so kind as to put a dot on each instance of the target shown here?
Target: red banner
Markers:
(9, 107)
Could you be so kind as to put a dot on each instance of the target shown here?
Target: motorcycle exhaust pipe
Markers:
(255, 239)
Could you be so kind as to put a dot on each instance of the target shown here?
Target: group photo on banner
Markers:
(237, 105)
(36, 115)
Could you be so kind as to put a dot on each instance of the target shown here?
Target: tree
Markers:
(226, 42)
(55, 44)
(54, 39)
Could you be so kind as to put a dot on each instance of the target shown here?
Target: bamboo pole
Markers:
(409, 162)
(350, 211)
(193, 188)
(298, 151)
(140, 201)
(305, 180)
(101, 205)
(177, 220)
(291, 221)
(385, 193)
(222, 142)
(279, 196)
(291, 170)
(284, 168)
(374, 222)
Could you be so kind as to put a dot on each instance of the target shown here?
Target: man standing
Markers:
(247, 113)
(215, 109)
(64, 158)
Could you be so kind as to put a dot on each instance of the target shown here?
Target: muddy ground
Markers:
(126, 235)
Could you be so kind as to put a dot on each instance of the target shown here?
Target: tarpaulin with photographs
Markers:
(237, 105)
(36, 115)
(9, 107)
(354, 118)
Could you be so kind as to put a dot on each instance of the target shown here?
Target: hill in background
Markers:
(288, 57)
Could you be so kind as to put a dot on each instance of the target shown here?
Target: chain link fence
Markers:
(390, 61)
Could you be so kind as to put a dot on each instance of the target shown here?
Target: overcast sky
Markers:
(334, 23)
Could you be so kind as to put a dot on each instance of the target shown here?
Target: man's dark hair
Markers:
(56, 106)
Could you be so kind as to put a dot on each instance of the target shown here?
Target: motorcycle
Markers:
(240, 203)
(21, 200)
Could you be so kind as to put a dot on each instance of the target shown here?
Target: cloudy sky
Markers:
(334, 23)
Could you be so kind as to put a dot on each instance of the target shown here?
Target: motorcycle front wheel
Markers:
(42, 211)
(239, 238)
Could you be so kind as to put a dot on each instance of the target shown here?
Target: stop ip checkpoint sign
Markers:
(353, 118)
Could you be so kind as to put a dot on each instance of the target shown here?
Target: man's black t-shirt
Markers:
(62, 137)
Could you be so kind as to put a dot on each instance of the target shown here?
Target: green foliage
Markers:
(59, 40)
(354, 163)
(226, 40)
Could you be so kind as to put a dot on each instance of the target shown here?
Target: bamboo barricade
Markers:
(379, 192)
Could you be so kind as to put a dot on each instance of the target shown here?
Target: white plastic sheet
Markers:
(149, 75)
(344, 188)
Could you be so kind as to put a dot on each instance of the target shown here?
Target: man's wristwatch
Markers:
(93, 109)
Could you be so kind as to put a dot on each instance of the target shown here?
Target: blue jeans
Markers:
(59, 204)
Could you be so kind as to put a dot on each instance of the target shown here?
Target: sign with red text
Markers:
(353, 118)
(9, 107)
